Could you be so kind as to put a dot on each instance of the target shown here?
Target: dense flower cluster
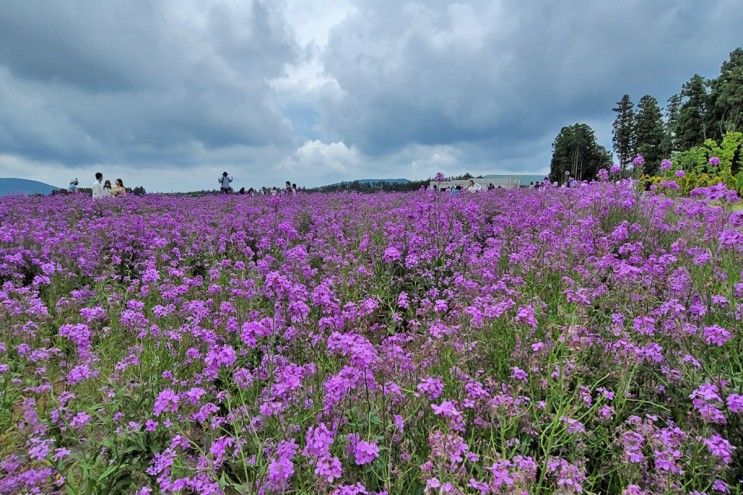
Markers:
(581, 340)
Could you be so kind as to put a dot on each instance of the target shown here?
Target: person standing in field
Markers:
(107, 189)
(224, 183)
(474, 187)
(118, 190)
(98, 186)
(73, 185)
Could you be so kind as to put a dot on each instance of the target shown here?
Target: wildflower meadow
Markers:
(584, 340)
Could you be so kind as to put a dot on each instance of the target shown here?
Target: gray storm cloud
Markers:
(139, 82)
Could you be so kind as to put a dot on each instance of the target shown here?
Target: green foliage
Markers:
(700, 173)
(725, 108)
(670, 143)
(623, 132)
(370, 187)
(691, 126)
(576, 151)
(649, 133)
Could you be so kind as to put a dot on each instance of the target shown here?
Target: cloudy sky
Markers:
(168, 94)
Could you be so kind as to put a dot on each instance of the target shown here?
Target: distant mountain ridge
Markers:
(12, 186)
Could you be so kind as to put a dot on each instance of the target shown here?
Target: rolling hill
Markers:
(13, 186)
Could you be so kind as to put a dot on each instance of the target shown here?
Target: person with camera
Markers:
(225, 182)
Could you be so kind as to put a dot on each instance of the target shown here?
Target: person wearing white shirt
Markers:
(474, 187)
(98, 192)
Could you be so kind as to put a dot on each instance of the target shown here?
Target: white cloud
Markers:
(314, 162)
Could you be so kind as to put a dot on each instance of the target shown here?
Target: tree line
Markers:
(703, 109)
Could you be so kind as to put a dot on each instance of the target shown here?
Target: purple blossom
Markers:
(519, 374)
(166, 402)
(318, 441)
(716, 335)
(365, 452)
(81, 419)
(329, 468)
(391, 254)
(735, 403)
(219, 448)
(720, 448)
(223, 356)
(720, 486)
(432, 387)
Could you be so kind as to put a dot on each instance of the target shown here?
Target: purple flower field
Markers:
(581, 340)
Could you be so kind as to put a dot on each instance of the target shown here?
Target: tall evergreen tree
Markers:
(725, 111)
(691, 126)
(576, 151)
(623, 133)
(673, 104)
(649, 133)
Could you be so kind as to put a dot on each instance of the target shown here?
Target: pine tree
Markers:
(673, 104)
(623, 134)
(576, 151)
(691, 126)
(726, 97)
(649, 133)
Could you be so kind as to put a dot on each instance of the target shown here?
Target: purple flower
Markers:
(219, 357)
(680, 173)
(61, 453)
(519, 374)
(720, 486)
(735, 403)
(356, 489)
(449, 410)
(318, 441)
(568, 476)
(526, 315)
(633, 490)
(365, 452)
(716, 335)
(615, 169)
(80, 373)
(329, 468)
(573, 425)
(39, 448)
(714, 161)
(280, 472)
(167, 401)
(638, 160)
(81, 419)
(720, 448)
(391, 254)
(666, 164)
(431, 387)
(219, 448)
